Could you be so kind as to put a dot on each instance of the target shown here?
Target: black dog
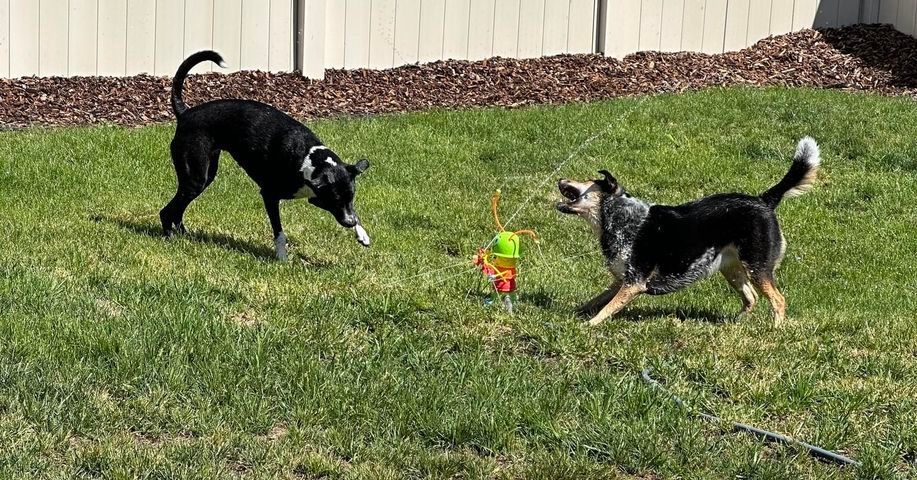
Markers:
(658, 249)
(280, 154)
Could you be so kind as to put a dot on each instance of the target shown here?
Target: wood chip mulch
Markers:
(861, 57)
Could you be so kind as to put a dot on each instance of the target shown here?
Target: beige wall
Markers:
(716, 26)
(125, 37)
(386, 33)
(900, 13)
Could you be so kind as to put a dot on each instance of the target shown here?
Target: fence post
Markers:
(601, 7)
(310, 38)
(621, 29)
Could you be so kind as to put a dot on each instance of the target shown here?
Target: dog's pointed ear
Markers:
(358, 167)
(608, 182)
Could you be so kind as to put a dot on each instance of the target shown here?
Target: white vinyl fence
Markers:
(126, 37)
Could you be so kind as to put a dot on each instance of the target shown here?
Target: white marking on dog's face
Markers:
(307, 169)
(306, 190)
(362, 236)
(330, 162)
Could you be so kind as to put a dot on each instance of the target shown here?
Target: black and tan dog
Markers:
(280, 154)
(658, 249)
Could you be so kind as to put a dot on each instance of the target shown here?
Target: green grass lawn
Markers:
(124, 354)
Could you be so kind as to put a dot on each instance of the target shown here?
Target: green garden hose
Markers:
(763, 434)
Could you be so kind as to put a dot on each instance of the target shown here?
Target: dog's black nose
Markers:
(348, 221)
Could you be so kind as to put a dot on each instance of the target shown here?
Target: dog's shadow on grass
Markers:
(225, 241)
(639, 314)
(642, 314)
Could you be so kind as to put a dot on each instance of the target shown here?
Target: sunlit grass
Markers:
(124, 353)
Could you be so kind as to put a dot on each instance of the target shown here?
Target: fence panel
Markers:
(481, 29)
(24, 41)
(407, 31)
(83, 37)
(256, 21)
(506, 28)
(650, 22)
(581, 26)
(4, 39)
(432, 15)
(900, 13)
(556, 23)
(335, 24)
(127, 37)
(869, 11)
(170, 30)
(531, 29)
(141, 36)
(804, 12)
(759, 21)
(118, 37)
(781, 16)
(455, 31)
(112, 38)
(622, 28)
(848, 13)
(54, 37)
(736, 33)
(906, 11)
(714, 26)
(692, 30)
(673, 20)
(198, 30)
(826, 13)
(381, 34)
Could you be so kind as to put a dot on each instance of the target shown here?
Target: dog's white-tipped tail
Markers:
(808, 154)
(807, 151)
(222, 64)
(801, 176)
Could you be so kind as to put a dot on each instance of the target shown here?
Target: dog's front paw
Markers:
(362, 236)
(280, 247)
(173, 229)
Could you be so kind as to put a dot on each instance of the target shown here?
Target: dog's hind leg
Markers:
(625, 294)
(600, 300)
(737, 276)
(195, 168)
(768, 287)
(272, 205)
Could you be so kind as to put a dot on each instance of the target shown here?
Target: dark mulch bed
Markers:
(863, 57)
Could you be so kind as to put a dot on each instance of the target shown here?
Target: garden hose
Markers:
(763, 434)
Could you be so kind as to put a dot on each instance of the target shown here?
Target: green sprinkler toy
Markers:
(499, 260)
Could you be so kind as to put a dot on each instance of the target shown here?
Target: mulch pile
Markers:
(862, 57)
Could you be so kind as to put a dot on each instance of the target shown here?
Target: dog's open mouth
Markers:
(571, 195)
(569, 192)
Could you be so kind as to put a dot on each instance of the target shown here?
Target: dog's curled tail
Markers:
(178, 83)
(801, 175)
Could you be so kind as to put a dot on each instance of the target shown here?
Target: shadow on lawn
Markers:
(638, 314)
(224, 241)
(881, 47)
